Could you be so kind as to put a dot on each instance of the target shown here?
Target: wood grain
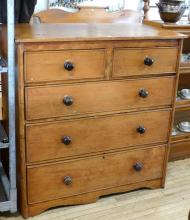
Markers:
(172, 202)
(47, 101)
(94, 174)
(129, 62)
(103, 106)
(87, 32)
(35, 209)
(180, 150)
(44, 141)
(49, 65)
(88, 15)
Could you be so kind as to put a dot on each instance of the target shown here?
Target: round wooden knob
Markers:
(68, 180)
(138, 167)
(68, 66)
(143, 93)
(68, 100)
(66, 140)
(148, 61)
(141, 129)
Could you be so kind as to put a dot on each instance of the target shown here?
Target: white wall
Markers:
(134, 4)
(41, 5)
(130, 4)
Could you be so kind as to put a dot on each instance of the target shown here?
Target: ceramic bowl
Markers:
(170, 11)
(184, 126)
(185, 94)
(169, 17)
(171, 8)
(176, 2)
(172, 3)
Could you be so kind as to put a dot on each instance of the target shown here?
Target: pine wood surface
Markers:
(95, 174)
(47, 101)
(56, 42)
(128, 62)
(43, 144)
(88, 32)
(88, 15)
(180, 149)
(87, 64)
(171, 203)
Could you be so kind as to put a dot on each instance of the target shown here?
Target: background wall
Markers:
(130, 4)
(41, 5)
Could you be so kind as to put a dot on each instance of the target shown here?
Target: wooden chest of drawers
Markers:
(95, 110)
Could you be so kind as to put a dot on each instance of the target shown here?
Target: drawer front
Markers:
(129, 62)
(64, 65)
(55, 101)
(77, 137)
(90, 174)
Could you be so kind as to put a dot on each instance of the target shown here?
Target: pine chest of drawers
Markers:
(95, 110)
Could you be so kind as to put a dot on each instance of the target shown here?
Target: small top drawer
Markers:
(49, 66)
(144, 61)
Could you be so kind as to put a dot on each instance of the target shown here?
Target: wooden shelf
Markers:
(179, 117)
(180, 150)
(185, 68)
(182, 104)
(182, 24)
(180, 147)
(181, 136)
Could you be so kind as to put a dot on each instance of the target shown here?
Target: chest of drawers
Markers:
(95, 110)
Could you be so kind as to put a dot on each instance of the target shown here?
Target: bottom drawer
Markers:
(75, 177)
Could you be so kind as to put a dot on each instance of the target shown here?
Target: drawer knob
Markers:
(143, 93)
(68, 100)
(141, 129)
(138, 167)
(68, 66)
(66, 140)
(68, 180)
(148, 61)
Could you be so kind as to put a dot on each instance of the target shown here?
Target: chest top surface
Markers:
(88, 32)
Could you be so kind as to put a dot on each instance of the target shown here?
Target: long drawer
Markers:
(144, 61)
(75, 177)
(76, 137)
(64, 100)
(50, 66)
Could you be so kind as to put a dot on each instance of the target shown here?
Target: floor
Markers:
(171, 203)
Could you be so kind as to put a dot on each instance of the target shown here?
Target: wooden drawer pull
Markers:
(68, 66)
(143, 93)
(68, 100)
(66, 140)
(141, 129)
(148, 61)
(68, 180)
(138, 167)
